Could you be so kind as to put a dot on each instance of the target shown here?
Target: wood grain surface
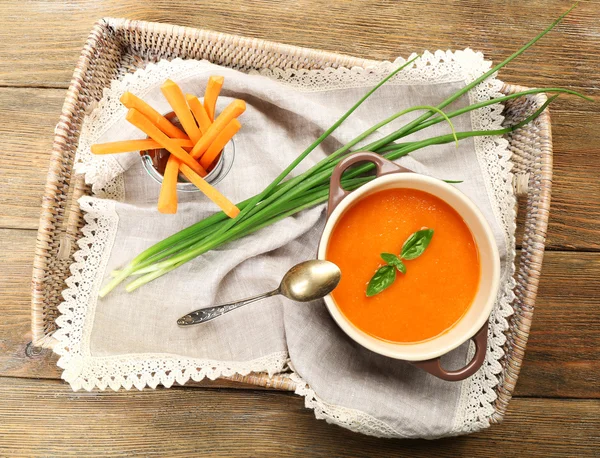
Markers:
(557, 408)
(42, 416)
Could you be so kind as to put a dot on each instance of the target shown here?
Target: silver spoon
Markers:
(304, 282)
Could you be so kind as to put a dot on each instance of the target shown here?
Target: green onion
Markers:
(282, 199)
(314, 198)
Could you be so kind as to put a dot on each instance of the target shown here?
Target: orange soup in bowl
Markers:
(438, 286)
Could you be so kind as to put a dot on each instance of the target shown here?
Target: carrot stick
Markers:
(213, 88)
(167, 199)
(135, 145)
(145, 125)
(131, 101)
(219, 143)
(176, 99)
(223, 202)
(199, 112)
(233, 110)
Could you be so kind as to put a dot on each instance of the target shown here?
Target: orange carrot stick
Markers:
(233, 110)
(167, 199)
(176, 99)
(211, 94)
(131, 101)
(135, 145)
(199, 112)
(219, 143)
(145, 125)
(223, 202)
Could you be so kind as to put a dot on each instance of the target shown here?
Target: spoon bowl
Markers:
(310, 280)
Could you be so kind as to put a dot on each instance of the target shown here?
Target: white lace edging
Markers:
(352, 419)
(477, 393)
(438, 67)
(127, 371)
(101, 170)
(85, 371)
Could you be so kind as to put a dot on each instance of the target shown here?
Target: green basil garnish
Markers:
(383, 278)
(414, 247)
(416, 244)
(395, 261)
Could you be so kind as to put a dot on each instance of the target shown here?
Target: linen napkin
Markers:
(132, 339)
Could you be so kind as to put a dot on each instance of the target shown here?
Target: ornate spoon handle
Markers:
(204, 315)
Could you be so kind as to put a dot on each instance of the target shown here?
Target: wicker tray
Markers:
(116, 47)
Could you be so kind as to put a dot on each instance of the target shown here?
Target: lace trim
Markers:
(494, 157)
(82, 371)
(351, 419)
(438, 67)
(99, 171)
(477, 393)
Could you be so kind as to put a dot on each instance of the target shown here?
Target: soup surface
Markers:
(438, 287)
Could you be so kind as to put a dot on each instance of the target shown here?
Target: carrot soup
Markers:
(437, 287)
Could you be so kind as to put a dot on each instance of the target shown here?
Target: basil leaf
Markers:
(393, 260)
(390, 259)
(416, 244)
(401, 267)
(383, 278)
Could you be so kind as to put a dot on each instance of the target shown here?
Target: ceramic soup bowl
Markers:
(474, 323)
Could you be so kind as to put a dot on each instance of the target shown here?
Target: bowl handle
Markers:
(337, 193)
(434, 366)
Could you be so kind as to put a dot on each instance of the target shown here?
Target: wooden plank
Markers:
(370, 29)
(16, 263)
(27, 120)
(575, 207)
(562, 358)
(562, 355)
(28, 116)
(44, 418)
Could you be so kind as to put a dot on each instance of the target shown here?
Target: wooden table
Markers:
(556, 411)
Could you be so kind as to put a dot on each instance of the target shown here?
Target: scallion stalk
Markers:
(282, 199)
(253, 223)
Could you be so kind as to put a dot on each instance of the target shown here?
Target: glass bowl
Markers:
(219, 171)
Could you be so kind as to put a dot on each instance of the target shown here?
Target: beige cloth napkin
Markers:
(127, 340)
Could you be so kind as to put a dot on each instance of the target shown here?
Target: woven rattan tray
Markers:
(116, 47)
